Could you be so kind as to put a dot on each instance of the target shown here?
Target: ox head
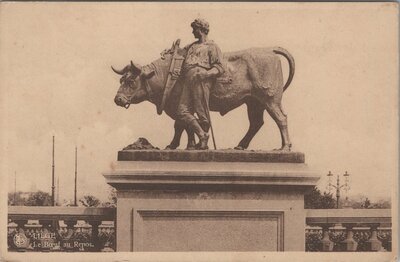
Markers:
(131, 89)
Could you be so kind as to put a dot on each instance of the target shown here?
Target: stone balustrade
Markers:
(74, 229)
(67, 229)
(348, 230)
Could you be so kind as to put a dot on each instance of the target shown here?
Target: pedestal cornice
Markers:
(219, 175)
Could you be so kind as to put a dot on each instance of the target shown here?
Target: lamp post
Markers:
(76, 175)
(53, 202)
(15, 188)
(345, 186)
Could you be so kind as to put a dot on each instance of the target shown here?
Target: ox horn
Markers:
(136, 68)
(120, 72)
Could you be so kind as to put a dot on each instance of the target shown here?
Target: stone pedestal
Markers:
(214, 204)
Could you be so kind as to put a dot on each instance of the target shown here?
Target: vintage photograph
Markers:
(199, 131)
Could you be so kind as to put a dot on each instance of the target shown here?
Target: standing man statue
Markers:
(203, 63)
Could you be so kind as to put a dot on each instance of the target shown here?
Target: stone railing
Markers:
(75, 229)
(348, 230)
(67, 229)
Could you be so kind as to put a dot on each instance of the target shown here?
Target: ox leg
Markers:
(179, 126)
(191, 145)
(255, 112)
(280, 118)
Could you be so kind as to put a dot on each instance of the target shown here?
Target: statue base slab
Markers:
(210, 206)
(224, 155)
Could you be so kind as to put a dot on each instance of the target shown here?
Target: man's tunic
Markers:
(195, 93)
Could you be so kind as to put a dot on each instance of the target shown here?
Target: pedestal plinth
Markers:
(248, 201)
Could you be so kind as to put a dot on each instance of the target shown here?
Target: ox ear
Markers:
(147, 72)
(135, 68)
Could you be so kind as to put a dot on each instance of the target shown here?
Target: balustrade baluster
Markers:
(47, 238)
(95, 234)
(68, 238)
(20, 240)
(374, 243)
(349, 244)
(389, 246)
(326, 243)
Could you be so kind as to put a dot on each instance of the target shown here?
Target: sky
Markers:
(56, 80)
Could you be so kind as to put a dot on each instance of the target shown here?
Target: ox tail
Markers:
(289, 57)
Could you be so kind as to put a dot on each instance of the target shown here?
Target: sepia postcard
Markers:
(199, 131)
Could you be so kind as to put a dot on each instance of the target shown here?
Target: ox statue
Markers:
(253, 77)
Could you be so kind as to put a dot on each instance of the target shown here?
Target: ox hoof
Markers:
(239, 148)
(191, 147)
(285, 148)
(170, 147)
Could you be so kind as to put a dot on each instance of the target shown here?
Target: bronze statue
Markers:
(252, 77)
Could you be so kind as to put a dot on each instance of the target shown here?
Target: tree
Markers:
(16, 199)
(316, 200)
(362, 201)
(38, 198)
(112, 197)
(383, 204)
(89, 201)
(67, 203)
(366, 204)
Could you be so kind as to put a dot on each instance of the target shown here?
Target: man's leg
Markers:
(202, 108)
(184, 110)
(200, 97)
(185, 114)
